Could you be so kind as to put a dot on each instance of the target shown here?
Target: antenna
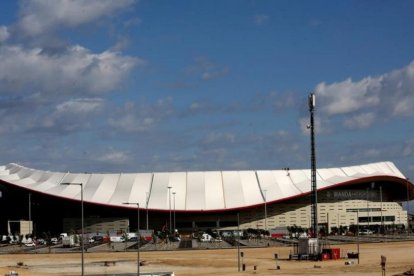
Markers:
(314, 190)
(312, 101)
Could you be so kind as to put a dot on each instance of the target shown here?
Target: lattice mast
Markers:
(314, 193)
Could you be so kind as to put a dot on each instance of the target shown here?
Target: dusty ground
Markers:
(400, 258)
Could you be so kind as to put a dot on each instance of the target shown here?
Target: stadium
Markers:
(369, 195)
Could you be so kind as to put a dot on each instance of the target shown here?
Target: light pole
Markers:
(138, 234)
(238, 241)
(174, 209)
(30, 215)
(382, 219)
(265, 209)
(146, 206)
(358, 233)
(408, 206)
(82, 226)
(368, 208)
(169, 204)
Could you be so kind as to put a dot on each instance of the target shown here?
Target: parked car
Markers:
(14, 241)
(30, 244)
(205, 237)
(117, 238)
(366, 232)
(41, 242)
(53, 240)
(97, 239)
(133, 239)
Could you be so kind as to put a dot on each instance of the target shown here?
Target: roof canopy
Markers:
(191, 191)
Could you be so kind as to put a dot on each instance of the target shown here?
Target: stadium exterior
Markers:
(369, 195)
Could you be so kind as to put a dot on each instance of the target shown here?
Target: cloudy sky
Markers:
(134, 86)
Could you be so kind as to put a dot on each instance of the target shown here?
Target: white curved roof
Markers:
(194, 191)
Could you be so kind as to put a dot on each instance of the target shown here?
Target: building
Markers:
(369, 195)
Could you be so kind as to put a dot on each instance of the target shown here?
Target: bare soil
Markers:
(400, 258)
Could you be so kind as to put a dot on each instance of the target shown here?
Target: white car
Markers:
(41, 241)
(366, 232)
(206, 238)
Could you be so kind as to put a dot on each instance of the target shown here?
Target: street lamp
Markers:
(138, 235)
(146, 206)
(30, 215)
(358, 233)
(265, 205)
(408, 206)
(382, 218)
(174, 209)
(169, 199)
(238, 241)
(369, 218)
(82, 226)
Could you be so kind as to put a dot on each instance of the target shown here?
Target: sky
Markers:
(161, 85)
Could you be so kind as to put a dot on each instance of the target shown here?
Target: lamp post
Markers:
(265, 208)
(368, 208)
(382, 217)
(82, 226)
(138, 234)
(169, 204)
(238, 241)
(146, 206)
(174, 209)
(30, 214)
(408, 206)
(358, 233)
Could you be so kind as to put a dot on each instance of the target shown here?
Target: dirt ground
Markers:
(400, 258)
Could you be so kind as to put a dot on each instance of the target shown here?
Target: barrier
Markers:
(335, 253)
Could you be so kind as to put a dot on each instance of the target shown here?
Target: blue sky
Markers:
(137, 86)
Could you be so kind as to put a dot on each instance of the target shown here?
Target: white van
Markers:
(117, 238)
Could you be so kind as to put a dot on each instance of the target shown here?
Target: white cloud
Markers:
(384, 96)
(41, 16)
(214, 74)
(408, 149)
(281, 133)
(363, 120)
(132, 123)
(138, 117)
(281, 100)
(348, 96)
(261, 19)
(4, 33)
(219, 137)
(76, 70)
(81, 105)
(113, 157)
(69, 115)
(195, 106)
(206, 69)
